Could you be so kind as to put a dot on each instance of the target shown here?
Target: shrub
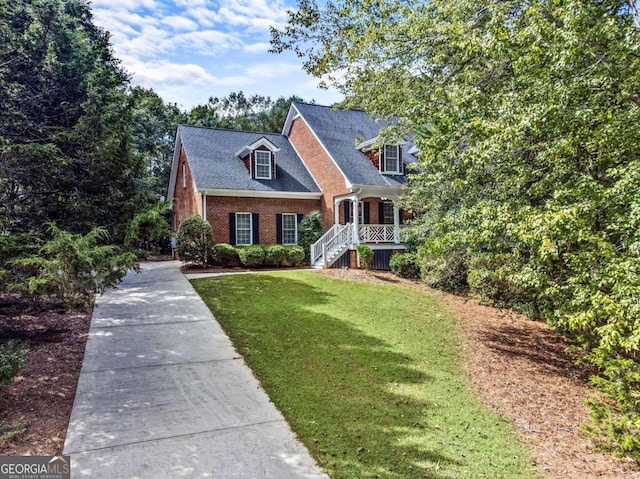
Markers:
(73, 267)
(492, 278)
(226, 255)
(13, 354)
(295, 255)
(275, 255)
(447, 272)
(252, 256)
(149, 227)
(194, 240)
(309, 231)
(365, 253)
(405, 265)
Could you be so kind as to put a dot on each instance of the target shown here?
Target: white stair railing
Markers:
(316, 248)
(335, 246)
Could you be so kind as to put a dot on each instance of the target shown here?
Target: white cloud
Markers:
(179, 23)
(189, 50)
(260, 47)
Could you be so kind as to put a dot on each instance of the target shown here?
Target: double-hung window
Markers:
(387, 213)
(391, 159)
(243, 229)
(263, 164)
(289, 228)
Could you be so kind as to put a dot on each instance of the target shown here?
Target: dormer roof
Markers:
(263, 141)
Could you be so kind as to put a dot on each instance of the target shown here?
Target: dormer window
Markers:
(391, 159)
(260, 159)
(263, 164)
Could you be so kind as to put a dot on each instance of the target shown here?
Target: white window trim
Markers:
(360, 212)
(295, 222)
(384, 159)
(269, 164)
(250, 229)
(184, 175)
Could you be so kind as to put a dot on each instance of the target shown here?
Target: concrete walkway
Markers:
(163, 394)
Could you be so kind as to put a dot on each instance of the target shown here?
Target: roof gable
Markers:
(215, 165)
(340, 132)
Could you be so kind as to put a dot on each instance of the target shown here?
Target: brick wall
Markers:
(219, 207)
(187, 202)
(325, 172)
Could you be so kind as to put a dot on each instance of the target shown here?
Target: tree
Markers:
(238, 112)
(64, 143)
(153, 129)
(523, 113)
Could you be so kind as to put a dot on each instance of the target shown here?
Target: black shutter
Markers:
(365, 214)
(299, 217)
(347, 211)
(278, 228)
(400, 214)
(400, 164)
(381, 212)
(232, 228)
(255, 225)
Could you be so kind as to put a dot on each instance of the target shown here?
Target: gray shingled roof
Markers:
(340, 131)
(211, 154)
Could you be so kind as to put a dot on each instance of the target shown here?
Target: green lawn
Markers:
(369, 376)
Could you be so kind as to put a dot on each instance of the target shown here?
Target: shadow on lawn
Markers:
(334, 383)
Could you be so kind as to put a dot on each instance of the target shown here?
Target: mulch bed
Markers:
(41, 396)
(521, 370)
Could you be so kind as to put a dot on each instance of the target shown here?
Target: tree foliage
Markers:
(64, 146)
(74, 267)
(153, 128)
(239, 112)
(525, 116)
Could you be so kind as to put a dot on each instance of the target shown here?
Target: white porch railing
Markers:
(379, 234)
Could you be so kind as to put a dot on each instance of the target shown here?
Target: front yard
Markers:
(369, 376)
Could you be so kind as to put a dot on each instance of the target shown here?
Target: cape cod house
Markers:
(254, 188)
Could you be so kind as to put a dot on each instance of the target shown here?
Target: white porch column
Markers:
(336, 212)
(356, 227)
(204, 206)
(396, 223)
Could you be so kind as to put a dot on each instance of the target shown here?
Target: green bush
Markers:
(73, 267)
(448, 272)
(615, 420)
(295, 255)
(13, 354)
(365, 253)
(493, 278)
(252, 256)
(405, 265)
(309, 231)
(149, 227)
(194, 240)
(275, 255)
(226, 255)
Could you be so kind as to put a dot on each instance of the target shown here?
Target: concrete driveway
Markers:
(163, 394)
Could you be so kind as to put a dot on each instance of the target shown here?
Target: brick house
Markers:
(254, 188)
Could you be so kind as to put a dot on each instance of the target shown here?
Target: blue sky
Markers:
(190, 50)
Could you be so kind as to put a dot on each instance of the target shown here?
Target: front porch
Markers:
(353, 226)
